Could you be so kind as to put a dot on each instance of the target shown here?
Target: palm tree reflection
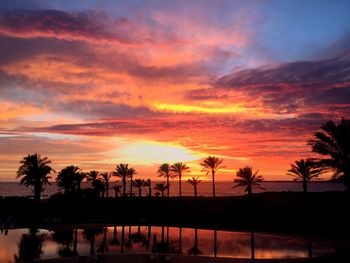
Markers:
(195, 249)
(30, 246)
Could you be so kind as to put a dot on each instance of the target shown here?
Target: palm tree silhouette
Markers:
(132, 172)
(116, 189)
(194, 182)
(304, 171)
(122, 171)
(212, 164)
(248, 179)
(164, 171)
(106, 178)
(333, 141)
(161, 187)
(178, 170)
(139, 183)
(94, 177)
(34, 171)
(148, 184)
(69, 179)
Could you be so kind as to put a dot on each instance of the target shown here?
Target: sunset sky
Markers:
(97, 83)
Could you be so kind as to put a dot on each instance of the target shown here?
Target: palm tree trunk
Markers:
(92, 244)
(195, 190)
(249, 190)
(37, 191)
(180, 240)
(149, 190)
(124, 187)
(167, 181)
(215, 242)
(139, 191)
(122, 241)
(107, 188)
(180, 190)
(130, 186)
(305, 186)
(213, 181)
(75, 244)
(252, 245)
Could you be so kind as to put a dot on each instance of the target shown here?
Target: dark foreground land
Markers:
(321, 214)
(317, 215)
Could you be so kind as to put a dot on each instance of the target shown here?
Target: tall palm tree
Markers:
(333, 142)
(35, 171)
(212, 164)
(194, 182)
(106, 178)
(178, 170)
(122, 171)
(161, 187)
(68, 179)
(164, 171)
(247, 178)
(139, 183)
(304, 171)
(131, 172)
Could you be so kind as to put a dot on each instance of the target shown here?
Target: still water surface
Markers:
(29, 244)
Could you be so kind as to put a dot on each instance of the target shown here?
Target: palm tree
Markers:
(247, 178)
(149, 185)
(164, 171)
(178, 169)
(333, 142)
(212, 164)
(304, 171)
(161, 187)
(35, 171)
(194, 182)
(116, 189)
(122, 171)
(106, 178)
(94, 178)
(131, 172)
(69, 178)
(139, 183)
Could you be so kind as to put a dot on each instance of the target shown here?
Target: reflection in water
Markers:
(31, 244)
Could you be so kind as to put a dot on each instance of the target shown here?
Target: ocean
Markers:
(204, 188)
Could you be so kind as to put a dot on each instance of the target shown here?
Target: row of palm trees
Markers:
(332, 142)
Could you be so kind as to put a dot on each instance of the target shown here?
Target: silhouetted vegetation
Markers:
(178, 170)
(333, 142)
(194, 182)
(304, 171)
(248, 179)
(211, 165)
(34, 171)
(165, 171)
(69, 179)
(161, 187)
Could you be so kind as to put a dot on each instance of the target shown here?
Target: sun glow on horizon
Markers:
(152, 152)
